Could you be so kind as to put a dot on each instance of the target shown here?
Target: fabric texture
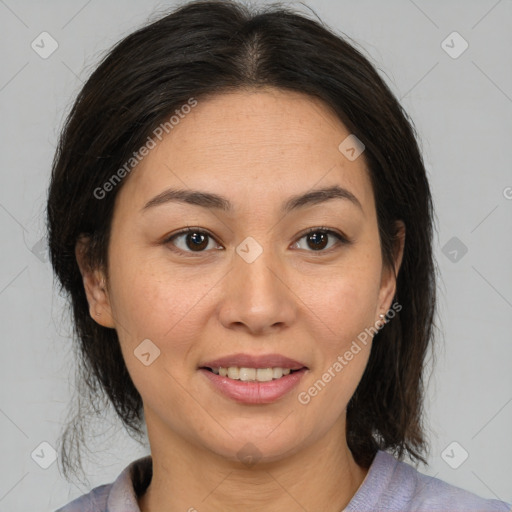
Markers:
(390, 485)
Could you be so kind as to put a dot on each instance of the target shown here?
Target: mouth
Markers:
(251, 379)
(246, 374)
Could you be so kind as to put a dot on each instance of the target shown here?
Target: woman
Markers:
(240, 214)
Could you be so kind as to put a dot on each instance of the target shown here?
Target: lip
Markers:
(252, 392)
(254, 361)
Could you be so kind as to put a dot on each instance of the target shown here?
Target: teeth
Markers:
(279, 372)
(251, 374)
(264, 374)
(246, 373)
(234, 372)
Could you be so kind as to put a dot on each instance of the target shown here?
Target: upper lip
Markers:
(254, 361)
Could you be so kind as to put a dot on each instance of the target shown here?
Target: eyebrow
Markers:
(215, 201)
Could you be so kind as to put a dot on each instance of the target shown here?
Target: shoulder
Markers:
(429, 493)
(94, 501)
(118, 495)
(394, 485)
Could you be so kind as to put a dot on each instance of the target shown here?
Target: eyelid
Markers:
(342, 239)
(330, 231)
(185, 231)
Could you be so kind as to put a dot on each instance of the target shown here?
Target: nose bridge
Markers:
(257, 295)
(256, 264)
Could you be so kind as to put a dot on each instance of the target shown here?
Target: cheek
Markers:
(343, 308)
(343, 317)
(347, 300)
(345, 344)
(151, 302)
(166, 309)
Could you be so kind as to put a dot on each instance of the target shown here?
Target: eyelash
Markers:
(342, 240)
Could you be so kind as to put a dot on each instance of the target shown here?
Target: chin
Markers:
(251, 443)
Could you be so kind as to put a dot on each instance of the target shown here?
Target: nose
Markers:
(256, 297)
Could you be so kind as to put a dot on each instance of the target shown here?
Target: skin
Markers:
(256, 148)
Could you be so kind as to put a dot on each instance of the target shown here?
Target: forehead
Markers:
(262, 144)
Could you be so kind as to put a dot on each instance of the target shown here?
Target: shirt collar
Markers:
(135, 478)
(132, 482)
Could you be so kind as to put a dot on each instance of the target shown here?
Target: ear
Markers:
(389, 273)
(95, 287)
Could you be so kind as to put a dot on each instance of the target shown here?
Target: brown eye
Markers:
(317, 239)
(190, 240)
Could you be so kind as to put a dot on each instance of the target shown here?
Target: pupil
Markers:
(318, 244)
(198, 240)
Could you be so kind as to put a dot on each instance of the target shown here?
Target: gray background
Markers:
(462, 108)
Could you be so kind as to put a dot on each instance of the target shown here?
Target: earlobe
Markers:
(97, 296)
(95, 287)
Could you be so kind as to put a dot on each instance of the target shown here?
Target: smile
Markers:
(251, 374)
(246, 388)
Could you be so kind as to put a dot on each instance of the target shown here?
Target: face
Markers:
(248, 287)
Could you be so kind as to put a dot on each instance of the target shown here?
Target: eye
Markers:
(318, 238)
(191, 240)
(195, 240)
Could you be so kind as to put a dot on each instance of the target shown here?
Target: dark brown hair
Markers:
(209, 47)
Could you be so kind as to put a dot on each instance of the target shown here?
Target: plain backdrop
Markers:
(461, 102)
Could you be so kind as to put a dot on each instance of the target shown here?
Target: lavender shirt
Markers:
(390, 485)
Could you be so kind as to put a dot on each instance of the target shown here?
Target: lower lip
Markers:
(252, 392)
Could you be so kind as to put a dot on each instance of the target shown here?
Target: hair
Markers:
(206, 48)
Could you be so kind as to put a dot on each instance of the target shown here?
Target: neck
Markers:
(323, 476)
